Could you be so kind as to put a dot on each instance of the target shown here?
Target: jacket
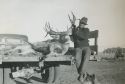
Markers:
(80, 37)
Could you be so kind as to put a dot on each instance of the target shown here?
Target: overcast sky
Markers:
(28, 17)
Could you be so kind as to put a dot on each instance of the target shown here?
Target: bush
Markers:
(117, 52)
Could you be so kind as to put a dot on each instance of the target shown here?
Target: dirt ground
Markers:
(107, 72)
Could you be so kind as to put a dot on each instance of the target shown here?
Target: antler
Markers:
(49, 30)
(73, 20)
(69, 29)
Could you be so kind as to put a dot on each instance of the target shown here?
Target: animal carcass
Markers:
(57, 46)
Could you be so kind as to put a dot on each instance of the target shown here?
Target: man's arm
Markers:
(74, 30)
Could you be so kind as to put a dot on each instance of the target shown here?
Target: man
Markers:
(80, 37)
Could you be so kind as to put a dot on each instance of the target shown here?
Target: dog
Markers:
(88, 79)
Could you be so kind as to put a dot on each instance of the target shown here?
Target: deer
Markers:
(59, 44)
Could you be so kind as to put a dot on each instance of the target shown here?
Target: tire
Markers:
(52, 74)
(49, 74)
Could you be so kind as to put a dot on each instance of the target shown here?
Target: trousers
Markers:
(81, 56)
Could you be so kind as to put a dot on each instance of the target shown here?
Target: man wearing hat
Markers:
(80, 37)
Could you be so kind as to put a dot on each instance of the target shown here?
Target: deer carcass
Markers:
(59, 44)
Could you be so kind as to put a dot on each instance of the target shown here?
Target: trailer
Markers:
(48, 66)
(26, 66)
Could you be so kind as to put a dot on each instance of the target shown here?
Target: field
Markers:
(107, 72)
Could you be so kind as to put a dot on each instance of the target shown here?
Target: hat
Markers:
(84, 20)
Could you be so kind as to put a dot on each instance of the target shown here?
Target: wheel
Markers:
(52, 73)
(48, 74)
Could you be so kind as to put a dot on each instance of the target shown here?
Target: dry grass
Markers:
(107, 72)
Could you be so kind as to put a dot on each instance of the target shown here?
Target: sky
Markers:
(28, 17)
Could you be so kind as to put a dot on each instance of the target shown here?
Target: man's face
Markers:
(82, 25)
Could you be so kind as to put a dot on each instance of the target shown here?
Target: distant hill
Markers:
(114, 50)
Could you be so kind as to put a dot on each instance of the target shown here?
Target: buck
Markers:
(59, 44)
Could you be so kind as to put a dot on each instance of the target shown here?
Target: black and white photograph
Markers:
(62, 42)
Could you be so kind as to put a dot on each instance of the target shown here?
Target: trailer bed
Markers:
(35, 58)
